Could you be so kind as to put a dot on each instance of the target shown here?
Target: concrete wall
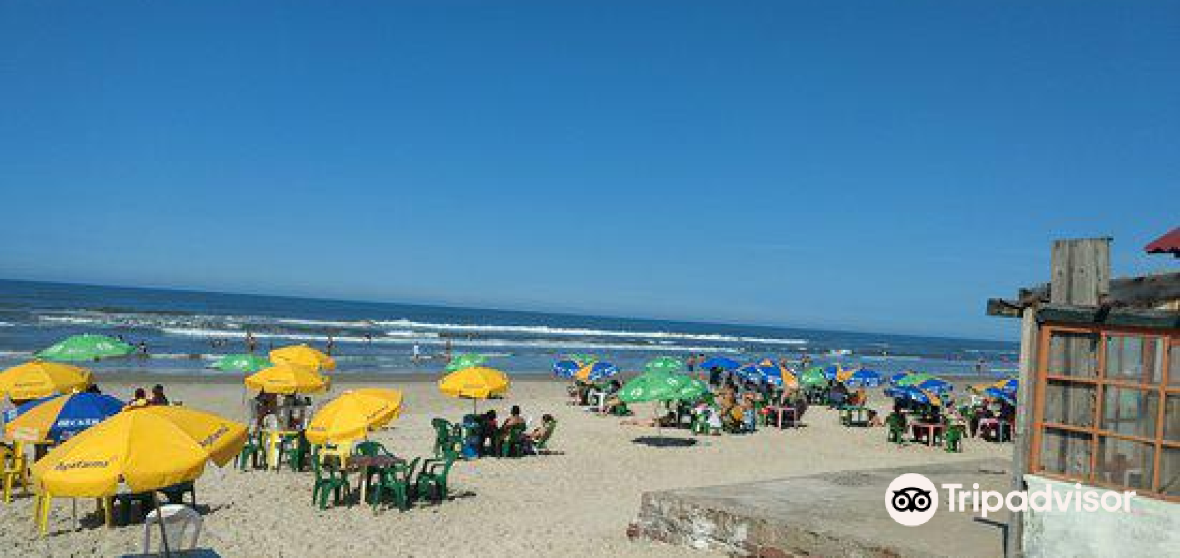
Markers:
(1151, 528)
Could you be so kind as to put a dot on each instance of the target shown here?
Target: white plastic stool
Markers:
(176, 521)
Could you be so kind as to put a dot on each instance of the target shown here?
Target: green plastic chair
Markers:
(447, 437)
(329, 479)
(432, 479)
(397, 481)
(954, 438)
(294, 449)
(896, 424)
(512, 443)
(370, 448)
(542, 443)
(253, 452)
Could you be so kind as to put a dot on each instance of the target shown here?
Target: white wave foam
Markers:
(324, 323)
(456, 342)
(583, 332)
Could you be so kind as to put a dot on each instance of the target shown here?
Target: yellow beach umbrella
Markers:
(36, 379)
(790, 380)
(144, 448)
(477, 382)
(302, 355)
(353, 414)
(287, 379)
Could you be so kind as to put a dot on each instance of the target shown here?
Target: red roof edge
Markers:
(1169, 243)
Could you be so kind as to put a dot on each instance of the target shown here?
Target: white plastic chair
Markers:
(176, 521)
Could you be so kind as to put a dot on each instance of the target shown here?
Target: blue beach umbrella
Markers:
(1008, 384)
(757, 371)
(59, 417)
(596, 372)
(914, 394)
(997, 393)
(719, 362)
(937, 385)
(866, 378)
(566, 368)
(831, 371)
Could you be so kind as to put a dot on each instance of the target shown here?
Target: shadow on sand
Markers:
(665, 442)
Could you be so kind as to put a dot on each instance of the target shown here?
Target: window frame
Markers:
(1169, 339)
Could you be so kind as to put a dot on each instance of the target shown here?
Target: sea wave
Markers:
(456, 342)
(585, 332)
(404, 327)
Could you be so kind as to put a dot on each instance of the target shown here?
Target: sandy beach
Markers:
(577, 501)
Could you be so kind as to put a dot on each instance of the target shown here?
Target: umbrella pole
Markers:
(163, 530)
(659, 429)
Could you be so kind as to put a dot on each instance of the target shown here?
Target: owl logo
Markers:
(911, 499)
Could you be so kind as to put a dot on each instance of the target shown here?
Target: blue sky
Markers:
(881, 166)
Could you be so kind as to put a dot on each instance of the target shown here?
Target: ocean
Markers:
(186, 331)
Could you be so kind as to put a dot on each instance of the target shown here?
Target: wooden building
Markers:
(1099, 395)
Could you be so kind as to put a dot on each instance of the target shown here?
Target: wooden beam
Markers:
(1148, 291)
(1123, 317)
(1022, 438)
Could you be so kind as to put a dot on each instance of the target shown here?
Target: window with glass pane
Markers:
(1125, 462)
(1070, 403)
(1172, 418)
(1066, 452)
(1170, 472)
(1174, 366)
(1129, 411)
(1073, 354)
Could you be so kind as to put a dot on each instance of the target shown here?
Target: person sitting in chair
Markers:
(539, 433)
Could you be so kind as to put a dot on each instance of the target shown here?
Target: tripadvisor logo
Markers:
(912, 499)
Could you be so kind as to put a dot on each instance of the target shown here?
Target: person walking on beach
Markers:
(251, 344)
(331, 345)
(417, 353)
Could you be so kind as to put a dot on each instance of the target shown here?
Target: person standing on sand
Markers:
(251, 344)
(417, 354)
(331, 345)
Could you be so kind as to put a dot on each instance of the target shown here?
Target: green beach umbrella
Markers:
(813, 377)
(659, 385)
(583, 358)
(465, 360)
(693, 390)
(664, 364)
(242, 363)
(914, 378)
(86, 347)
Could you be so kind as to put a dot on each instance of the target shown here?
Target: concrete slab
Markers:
(832, 514)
